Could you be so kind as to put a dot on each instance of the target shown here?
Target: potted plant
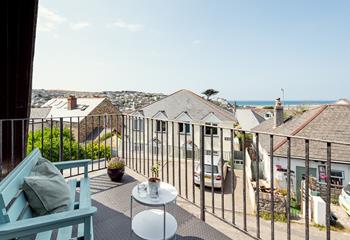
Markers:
(154, 181)
(115, 169)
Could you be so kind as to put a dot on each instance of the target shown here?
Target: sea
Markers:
(286, 102)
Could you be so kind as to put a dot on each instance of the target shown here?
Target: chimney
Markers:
(279, 118)
(71, 102)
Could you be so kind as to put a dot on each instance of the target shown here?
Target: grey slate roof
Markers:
(248, 118)
(327, 122)
(42, 112)
(186, 101)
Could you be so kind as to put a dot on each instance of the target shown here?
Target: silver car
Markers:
(209, 169)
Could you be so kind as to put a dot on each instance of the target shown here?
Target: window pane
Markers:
(188, 128)
(158, 126)
(181, 127)
(208, 168)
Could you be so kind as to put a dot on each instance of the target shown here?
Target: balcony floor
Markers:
(112, 220)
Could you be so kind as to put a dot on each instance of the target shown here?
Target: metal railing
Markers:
(142, 142)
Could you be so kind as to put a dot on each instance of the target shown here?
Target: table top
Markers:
(167, 194)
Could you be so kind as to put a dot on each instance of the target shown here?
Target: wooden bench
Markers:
(16, 219)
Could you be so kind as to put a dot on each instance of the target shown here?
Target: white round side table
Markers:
(154, 224)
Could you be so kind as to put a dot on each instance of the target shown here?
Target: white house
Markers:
(326, 122)
(185, 110)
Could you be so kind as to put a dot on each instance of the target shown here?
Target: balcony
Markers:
(202, 212)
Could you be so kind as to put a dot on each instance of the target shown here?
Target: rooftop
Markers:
(326, 122)
(186, 102)
(58, 107)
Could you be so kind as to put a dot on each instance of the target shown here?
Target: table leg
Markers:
(131, 217)
(164, 233)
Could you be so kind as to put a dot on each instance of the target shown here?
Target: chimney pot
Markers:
(71, 102)
(279, 118)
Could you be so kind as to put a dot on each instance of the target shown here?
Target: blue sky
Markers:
(245, 49)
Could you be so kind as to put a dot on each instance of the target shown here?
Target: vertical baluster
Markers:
(61, 140)
(193, 165)
(167, 151)
(123, 135)
(135, 144)
(307, 187)
(233, 176)
(157, 140)
(179, 157)
(85, 143)
(244, 183)
(111, 139)
(186, 170)
(288, 186)
(105, 141)
(70, 143)
(257, 193)
(126, 139)
(152, 150)
(144, 145)
(140, 144)
(99, 140)
(51, 126)
(148, 135)
(92, 143)
(212, 170)
(32, 134)
(222, 173)
(272, 190)
(328, 202)
(78, 153)
(202, 159)
(42, 136)
(1, 144)
(162, 149)
(131, 154)
(173, 151)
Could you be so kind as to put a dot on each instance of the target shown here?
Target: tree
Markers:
(70, 148)
(209, 93)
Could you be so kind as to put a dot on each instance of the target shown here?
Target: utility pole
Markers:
(282, 90)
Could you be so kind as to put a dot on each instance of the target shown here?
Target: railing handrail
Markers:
(198, 124)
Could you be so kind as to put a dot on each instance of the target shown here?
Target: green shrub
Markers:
(68, 147)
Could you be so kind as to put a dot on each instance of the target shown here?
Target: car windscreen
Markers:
(208, 168)
(347, 189)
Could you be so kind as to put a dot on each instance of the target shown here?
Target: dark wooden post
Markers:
(17, 38)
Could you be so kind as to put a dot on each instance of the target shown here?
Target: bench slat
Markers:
(66, 232)
(84, 200)
(10, 185)
(44, 235)
(17, 207)
(27, 212)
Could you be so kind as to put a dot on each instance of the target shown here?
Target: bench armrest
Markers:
(35, 225)
(72, 164)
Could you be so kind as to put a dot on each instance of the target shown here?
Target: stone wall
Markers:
(322, 189)
(95, 121)
(280, 203)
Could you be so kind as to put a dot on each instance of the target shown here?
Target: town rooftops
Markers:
(326, 122)
(184, 105)
(59, 107)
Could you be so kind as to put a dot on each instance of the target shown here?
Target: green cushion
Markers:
(46, 190)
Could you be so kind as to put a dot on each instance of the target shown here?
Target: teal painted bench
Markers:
(16, 219)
